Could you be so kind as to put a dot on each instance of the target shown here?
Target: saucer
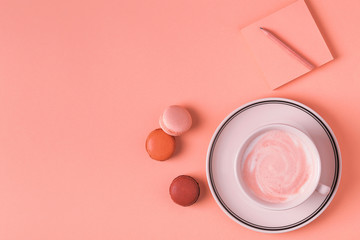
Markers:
(226, 142)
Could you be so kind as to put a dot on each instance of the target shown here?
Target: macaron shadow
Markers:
(203, 187)
(196, 120)
(178, 147)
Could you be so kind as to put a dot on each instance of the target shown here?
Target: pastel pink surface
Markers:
(295, 27)
(175, 120)
(83, 83)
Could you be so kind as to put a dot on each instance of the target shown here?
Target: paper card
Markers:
(295, 26)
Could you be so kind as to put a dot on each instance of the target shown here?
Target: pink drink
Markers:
(278, 166)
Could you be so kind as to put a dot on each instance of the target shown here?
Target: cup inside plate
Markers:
(278, 166)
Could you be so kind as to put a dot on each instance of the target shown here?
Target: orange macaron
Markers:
(159, 145)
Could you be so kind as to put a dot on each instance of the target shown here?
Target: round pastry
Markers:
(159, 145)
(184, 190)
(175, 120)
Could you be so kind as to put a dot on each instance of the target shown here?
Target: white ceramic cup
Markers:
(311, 185)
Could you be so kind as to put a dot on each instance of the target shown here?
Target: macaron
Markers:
(159, 145)
(175, 120)
(184, 190)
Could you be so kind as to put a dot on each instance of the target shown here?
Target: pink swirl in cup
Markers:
(277, 167)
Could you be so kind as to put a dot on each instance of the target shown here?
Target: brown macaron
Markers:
(159, 145)
(184, 190)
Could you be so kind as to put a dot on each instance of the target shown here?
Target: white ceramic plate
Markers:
(226, 143)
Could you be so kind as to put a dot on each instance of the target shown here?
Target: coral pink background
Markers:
(82, 83)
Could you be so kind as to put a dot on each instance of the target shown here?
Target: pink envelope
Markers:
(295, 26)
